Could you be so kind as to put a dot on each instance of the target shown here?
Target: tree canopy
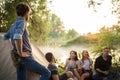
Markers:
(39, 20)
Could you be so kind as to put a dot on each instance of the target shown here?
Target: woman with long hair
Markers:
(86, 64)
(72, 63)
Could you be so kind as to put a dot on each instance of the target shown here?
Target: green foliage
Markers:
(115, 7)
(81, 40)
(76, 41)
(71, 34)
(7, 15)
(109, 37)
(39, 21)
(94, 4)
(43, 26)
(57, 33)
(60, 70)
(57, 27)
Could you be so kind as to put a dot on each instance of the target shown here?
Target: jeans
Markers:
(30, 64)
(99, 76)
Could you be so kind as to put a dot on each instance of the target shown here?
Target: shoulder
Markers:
(109, 57)
(90, 60)
(67, 60)
(53, 69)
(20, 21)
(52, 66)
(99, 58)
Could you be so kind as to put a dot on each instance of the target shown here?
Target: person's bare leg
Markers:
(69, 74)
(77, 74)
(85, 75)
(70, 79)
(75, 78)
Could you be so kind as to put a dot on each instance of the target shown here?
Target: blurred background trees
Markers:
(39, 20)
(46, 28)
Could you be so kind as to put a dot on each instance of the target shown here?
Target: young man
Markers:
(54, 70)
(22, 51)
(102, 66)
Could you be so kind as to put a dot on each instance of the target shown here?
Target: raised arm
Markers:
(64, 67)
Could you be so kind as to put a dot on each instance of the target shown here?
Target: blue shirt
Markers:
(19, 31)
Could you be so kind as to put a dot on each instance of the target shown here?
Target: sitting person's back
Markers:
(54, 70)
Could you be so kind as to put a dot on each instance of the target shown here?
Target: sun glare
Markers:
(75, 14)
(63, 59)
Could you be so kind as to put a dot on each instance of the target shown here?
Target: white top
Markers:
(86, 64)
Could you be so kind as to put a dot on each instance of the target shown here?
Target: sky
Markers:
(75, 14)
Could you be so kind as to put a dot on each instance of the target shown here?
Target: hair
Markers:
(83, 56)
(105, 48)
(76, 57)
(49, 56)
(22, 8)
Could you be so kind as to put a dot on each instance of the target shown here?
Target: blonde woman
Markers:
(86, 64)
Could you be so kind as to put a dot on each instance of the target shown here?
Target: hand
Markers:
(24, 54)
(106, 72)
(84, 67)
(90, 67)
(60, 66)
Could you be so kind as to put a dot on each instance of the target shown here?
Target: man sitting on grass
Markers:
(103, 65)
(54, 70)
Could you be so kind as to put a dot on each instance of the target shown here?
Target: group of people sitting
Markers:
(76, 69)
(81, 69)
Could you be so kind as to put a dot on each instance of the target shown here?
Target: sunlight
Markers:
(63, 59)
(75, 14)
